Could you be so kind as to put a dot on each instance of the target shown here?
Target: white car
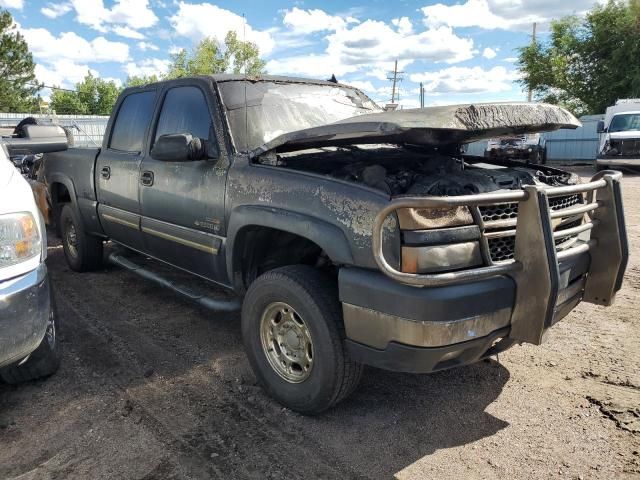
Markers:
(29, 346)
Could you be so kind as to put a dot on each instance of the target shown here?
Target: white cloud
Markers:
(374, 45)
(196, 21)
(404, 25)
(55, 10)
(117, 81)
(503, 14)
(365, 86)
(17, 4)
(147, 67)
(373, 41)
(128, 33)
(312, 65)
(144, 46)
(489, 53)
(63, 73)
(309, 21)
(70, 46)
(135, 14)
(467, 80)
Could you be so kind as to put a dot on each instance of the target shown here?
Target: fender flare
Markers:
(67, 182)
(330, 238)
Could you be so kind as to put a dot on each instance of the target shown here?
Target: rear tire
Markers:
(82, 251)
(44, 360)
(299, 306)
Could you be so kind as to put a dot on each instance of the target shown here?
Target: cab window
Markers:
(131, 122)
(185, 110)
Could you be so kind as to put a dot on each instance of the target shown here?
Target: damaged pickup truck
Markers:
(355, 236)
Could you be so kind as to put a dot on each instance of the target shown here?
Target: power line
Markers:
(51, 87)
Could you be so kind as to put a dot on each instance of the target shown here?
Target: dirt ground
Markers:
(153, 387)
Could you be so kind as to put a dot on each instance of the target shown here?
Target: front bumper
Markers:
(457, 317)
(618, 162)
(420, 330)
(25, 304)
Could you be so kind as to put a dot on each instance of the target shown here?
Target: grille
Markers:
(626, 147)
(505, 211)
(503, 248)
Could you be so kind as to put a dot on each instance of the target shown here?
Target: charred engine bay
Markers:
(405, 170)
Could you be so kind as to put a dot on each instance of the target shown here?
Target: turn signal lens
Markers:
(19, 238)
(440, 258)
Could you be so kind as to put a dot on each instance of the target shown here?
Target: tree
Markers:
(18, 84)
(92, 96)
(140, 80)
(587, 63)
(208, 57)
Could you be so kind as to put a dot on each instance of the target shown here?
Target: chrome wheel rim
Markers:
(72, 239)
(286, 342)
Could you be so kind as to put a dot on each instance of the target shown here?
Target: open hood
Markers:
(452, 124)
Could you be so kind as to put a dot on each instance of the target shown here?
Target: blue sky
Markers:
(462, 50)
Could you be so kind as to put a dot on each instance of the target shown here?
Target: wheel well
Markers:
(260, 249)
(59, 197)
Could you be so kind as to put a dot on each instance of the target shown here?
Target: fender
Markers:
(327, 236)
(86, 207)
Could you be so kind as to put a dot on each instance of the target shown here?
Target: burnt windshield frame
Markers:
(247, 137)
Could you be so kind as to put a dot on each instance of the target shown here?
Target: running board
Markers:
(210, 303)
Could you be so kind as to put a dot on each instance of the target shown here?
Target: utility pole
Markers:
(421, 95)
(533, 42)
(395, 78)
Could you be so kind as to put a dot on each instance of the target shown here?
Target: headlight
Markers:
(428, 218)
(19, 238)
(438, 258)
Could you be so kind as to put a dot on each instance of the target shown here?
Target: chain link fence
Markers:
(87, 130)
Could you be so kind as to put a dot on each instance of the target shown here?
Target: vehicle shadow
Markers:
(395, 419)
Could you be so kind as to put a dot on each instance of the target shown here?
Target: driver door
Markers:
(182, 202)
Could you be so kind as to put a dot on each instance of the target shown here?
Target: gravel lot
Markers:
(153, 387)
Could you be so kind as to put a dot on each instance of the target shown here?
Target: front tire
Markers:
(43, 361)
(293, 334)
(83, 252)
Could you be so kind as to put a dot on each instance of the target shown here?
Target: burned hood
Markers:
(447, 125)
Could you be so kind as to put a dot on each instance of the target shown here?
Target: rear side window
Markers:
(185, 110)
(131, 122)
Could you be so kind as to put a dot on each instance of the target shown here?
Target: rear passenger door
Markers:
(118, 167)
(182, 202)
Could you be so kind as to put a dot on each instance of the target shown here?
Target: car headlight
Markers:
(429, 218)
(19, 238)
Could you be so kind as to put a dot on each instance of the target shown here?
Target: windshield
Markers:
(278, 107)
(624, 122)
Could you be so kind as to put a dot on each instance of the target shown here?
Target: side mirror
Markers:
(601, 128)
(37, 139)
(178, 147)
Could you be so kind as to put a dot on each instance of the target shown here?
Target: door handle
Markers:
(106, 172)
(146, 179)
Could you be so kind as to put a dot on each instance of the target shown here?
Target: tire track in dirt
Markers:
(233, 448)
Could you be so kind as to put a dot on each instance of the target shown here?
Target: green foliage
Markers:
(587, 63)
(93, 96)
(140, 80)
(208, 57)
(18, 85)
